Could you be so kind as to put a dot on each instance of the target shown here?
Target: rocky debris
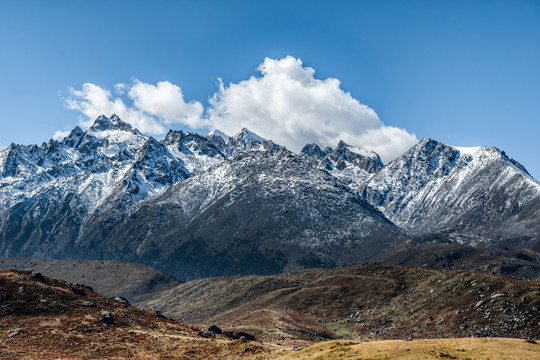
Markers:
(215, 329)
(206, 334)
(14, 333)
(238, 335)
(78, 290)
(121, 300)
(106, 318)
(159, 314)
(38, 276)
(87, 303)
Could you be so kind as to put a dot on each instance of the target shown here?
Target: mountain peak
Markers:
(102, 123)
(118, 124)
(342, 144)
(246, 135)
(219, 133)
(313, 149)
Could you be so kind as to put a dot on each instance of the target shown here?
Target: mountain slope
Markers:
(135, 282)
(264, 212)
(361, 303)
(43, 318)
(189, 205)
(471, 196)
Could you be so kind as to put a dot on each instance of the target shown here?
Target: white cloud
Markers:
(286, 103)
(60, 134)
(290, 106)
(166, 102)
(155, 107)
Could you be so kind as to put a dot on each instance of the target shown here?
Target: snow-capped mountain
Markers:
(350, 164)
(195, 205)
(112, 192)
(264, 212)
(467, 195)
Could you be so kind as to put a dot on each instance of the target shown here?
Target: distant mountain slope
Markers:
(471, 196)
(264, 212)
(134, 282)
(361, 303)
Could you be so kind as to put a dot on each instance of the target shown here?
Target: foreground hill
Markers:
(42, 318)
(361, 303)
(134, 282)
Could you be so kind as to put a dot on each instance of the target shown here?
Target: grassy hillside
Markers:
(360, 303)
(133, 281)
(42, 318)
(469, 348)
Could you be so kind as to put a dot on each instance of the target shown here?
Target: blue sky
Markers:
(463, 72)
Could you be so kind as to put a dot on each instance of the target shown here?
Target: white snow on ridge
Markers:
(219, 133)
(365, 153)
(468, 150)
(246, 135)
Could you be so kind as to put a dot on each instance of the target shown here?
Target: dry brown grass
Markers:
(54, 325)
(463, 348)
(360, 303)
(135, 282)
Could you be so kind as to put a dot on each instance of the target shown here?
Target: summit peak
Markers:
(103, 123)
(246, 135)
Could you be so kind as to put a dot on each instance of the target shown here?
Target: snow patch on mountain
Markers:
(435, 188)
(468, 150)
(219, 133)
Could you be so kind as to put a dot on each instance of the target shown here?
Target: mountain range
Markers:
(197, 206)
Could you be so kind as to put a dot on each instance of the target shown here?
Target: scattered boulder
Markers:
(238, 335)
(248, 337)
(106, 318)
(160, 315)
(77, 289)
(37, 276)
(14, 333)
(479, 303)
(88, 303)
(215, 329)
(206, 334)
(121, 300)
